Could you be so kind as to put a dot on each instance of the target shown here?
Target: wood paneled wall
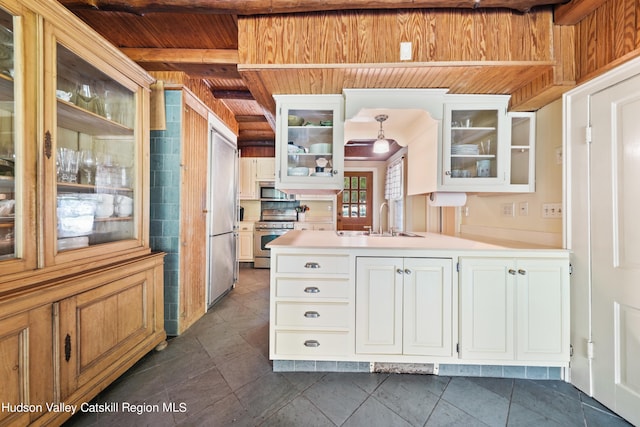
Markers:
(607, 37)
(374, 36)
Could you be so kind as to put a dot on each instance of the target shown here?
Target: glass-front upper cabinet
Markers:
(473, 149)
(92, 154)
(309, 142)
(522, 173)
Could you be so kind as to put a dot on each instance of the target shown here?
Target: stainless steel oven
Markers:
(261, 254)
(275, 223)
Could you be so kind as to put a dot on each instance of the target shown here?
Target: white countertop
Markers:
(329, 239)
(430, 241)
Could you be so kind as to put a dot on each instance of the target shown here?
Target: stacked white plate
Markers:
(464, 149)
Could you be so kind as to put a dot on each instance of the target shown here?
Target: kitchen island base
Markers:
(343, 304)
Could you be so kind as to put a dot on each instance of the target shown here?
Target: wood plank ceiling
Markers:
(202, 37)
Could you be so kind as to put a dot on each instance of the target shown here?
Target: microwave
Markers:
(269, 192)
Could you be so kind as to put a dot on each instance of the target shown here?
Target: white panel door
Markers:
(487, 308)
(615, 239)
(428, 317)
(379, 305)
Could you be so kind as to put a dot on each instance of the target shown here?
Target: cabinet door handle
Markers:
(512, 272)
(334, 171)
(399, 271)
(312, 290)
(407, 271)
(312, 265)
(311, 314)
(522, 272)
(447, 172)
(67, 347)
(311, 343)
(47, 144)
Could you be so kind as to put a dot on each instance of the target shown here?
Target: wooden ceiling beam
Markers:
(250, 119)
(183, 56)
(233, 94)
(572, 12)
(267, 7)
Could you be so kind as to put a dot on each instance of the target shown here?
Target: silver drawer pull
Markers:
(312, 265)
(407, 271)
(522, 272)
(311, 343)
(311, 314)
(312, 290)
(512, 272)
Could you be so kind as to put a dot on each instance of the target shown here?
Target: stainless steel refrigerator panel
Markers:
(223, 185)
(222, 265)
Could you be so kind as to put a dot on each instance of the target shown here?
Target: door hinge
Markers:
(570, 350)
(570, 269)
(590, 349)
(458, 348)
(587, 135)
(458, 267)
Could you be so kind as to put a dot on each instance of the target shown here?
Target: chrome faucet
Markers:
(382, 205)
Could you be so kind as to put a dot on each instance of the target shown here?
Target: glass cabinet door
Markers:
(309, 143)
(522, 151)
(96, 156)
(9, 197)
(18, 121)
(474, 145)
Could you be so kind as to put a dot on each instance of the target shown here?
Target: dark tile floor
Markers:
(220, 374)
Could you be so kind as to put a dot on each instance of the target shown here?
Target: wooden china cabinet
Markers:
(81, 294)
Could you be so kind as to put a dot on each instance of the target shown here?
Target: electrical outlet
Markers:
(405, 51)
(523, 208)
(552, 210)
(508, 209)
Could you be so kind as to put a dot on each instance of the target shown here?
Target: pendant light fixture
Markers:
(381, 145)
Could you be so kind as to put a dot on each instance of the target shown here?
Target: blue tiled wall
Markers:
(524, 372)
(164, 226)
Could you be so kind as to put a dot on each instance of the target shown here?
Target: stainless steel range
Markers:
(274, 223)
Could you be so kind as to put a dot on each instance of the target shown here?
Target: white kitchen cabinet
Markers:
(265, 169)
(245, 241)
(311, 306)
(309, 135)
(247, 187)
(486, 149)
(404, 306)
(514, 309)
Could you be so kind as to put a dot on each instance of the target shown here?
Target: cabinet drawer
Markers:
(312, 315)
(312, 264)
(312, 288)
(306, 343)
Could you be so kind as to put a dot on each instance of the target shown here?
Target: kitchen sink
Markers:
(352, 233)
(357, 233)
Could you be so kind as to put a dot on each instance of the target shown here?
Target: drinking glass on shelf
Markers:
(87, 166)
(69, 162)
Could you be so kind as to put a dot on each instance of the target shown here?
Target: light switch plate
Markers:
(405, 51)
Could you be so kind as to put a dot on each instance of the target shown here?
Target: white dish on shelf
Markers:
(298, 171)
(320, 148)
(322, 174)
